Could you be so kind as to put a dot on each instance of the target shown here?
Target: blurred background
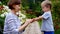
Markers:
(32, 9)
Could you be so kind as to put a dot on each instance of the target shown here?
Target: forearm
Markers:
(38, 18)
(21, 28)
(28, 21)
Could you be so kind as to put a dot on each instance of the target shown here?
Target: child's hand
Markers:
(34, 19)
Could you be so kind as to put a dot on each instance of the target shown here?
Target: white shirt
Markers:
(47, 23)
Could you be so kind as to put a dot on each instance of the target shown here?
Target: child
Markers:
(12, 24)
(47, 23)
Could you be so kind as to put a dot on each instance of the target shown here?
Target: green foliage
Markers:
(1, 24)
(57, 31)
(56, 12)
(56, 15)
(30, 16)
(4, 2)
(34, 5)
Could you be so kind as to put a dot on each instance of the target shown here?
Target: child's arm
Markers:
(44, 16)
(37, 18)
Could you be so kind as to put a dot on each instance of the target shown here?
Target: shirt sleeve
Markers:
(12, 26)
(45, 15)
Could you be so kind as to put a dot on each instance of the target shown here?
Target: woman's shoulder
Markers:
(10, 16)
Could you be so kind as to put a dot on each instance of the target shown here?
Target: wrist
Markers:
(26, 23)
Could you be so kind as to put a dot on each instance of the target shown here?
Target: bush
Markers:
(56, 15)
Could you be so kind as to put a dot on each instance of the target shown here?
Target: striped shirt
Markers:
(11, 25)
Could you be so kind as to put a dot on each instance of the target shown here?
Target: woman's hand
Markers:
(28, 21)
(25, 24)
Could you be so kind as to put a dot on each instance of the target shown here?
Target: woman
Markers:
(12, 24)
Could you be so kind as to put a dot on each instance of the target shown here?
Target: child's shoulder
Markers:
(48, 12)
